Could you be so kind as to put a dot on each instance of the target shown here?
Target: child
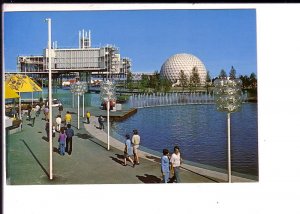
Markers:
(88, 115)
(128, 150)
(165, 165)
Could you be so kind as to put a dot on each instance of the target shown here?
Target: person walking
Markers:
(62, 141)
(165, 166)
(37, 110)
(29, 112)
(88, 116)
(58, 123)
(60, 109)
(101, 122)
(46, 112)
(47, 130)
(128, 150)
(70, 134)
(33, 119)
(68, 118)
(176, 162)
(13, 113)
(136, 143)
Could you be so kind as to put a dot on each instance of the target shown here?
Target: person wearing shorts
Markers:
(128, 151)
(135, 144)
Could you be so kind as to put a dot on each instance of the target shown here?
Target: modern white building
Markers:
(106, 61)
(183, 62)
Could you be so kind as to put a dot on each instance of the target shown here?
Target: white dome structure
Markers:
(186, 62)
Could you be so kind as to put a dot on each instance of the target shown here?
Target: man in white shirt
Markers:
(58, 123)
(135, 144)
(176, 162)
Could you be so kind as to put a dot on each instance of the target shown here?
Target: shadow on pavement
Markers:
(83, 136)
(98, 143)
(45, 138)
(37, 160)
(147, 179)
(117, 160)
(209, 178)
(55, 150)
(120, 156)
(156, 159)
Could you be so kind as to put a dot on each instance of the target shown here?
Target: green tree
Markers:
(208, 77)
(183, 79)
(243, 79)
(155, 81)
(165, 84)
(129, 81)
(195, 79)
(207, 81)
(232, 73)
(144, 83)
(190, 84)
(253, 80)
(223, 74)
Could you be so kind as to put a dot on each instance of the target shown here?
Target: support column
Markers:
(229, 148)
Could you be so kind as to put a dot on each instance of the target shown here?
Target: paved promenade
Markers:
(90, 163)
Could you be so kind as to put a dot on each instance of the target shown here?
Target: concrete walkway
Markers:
(27, 158)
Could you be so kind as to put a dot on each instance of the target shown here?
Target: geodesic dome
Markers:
(186, 62)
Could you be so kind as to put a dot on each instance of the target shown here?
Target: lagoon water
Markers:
(201, 133)
(199, 130)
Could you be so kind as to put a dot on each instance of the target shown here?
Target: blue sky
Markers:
(219, 38)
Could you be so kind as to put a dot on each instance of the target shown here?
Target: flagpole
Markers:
(50, 98)
(20, 107)
(83, 105)
(107, 107)
(78, 113)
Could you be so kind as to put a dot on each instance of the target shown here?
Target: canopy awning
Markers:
(10, 93)
(22, 83)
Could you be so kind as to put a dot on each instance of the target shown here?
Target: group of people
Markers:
(66, 133)
(65, 140)
(170, 166)
(131, 148)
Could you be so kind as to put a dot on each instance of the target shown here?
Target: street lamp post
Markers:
(228, 97)
(84, 89)
(73, 92)
(78, 89)
(50, 96)
(107, 93)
